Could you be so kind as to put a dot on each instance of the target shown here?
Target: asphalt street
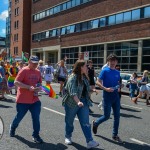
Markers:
(134, 126)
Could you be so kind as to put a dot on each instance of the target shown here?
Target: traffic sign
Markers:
(86, 55)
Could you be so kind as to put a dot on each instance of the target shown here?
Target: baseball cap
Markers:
(34, 59)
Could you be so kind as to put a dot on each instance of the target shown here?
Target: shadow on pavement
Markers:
(128, 109)
(4, 106)
(8, 101)
(95, 115)
(80, 147)
(127, 145)
(43, 146)
(129, 116)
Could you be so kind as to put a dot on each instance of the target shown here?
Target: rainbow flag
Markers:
(11, 81)
(49, 90)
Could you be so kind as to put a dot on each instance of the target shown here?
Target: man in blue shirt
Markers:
(109, 82)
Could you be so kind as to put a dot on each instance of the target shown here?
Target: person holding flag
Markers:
(27, 98)
(13, 71)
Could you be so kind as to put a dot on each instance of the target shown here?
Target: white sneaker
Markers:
(92, 144)
(68, 141)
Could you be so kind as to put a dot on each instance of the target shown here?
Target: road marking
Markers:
(131, 106)
(56, 112)
(11, 96)
(140, 142)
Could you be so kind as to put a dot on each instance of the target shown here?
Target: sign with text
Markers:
(86, 55)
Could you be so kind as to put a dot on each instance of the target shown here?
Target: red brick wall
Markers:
(24, 29)
(96, 8)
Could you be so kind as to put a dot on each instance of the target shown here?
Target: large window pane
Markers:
(73, 2)
(134, 44)
(102, 22)
(146, 43)
(119, 18)
(146, 51)
(95, 23)
(136, 14)
(125, 45)
(147, 12)
(47, 34)
(51, 11)
(111, 20)
(68, 4)
(84, 26)
(133, 52)
(77, 2)
(72, 29)
(63, 31)
(133, 60)
(127, 16)
(146, 59)
(78, 27)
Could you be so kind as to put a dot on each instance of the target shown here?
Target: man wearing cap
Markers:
(109, 80)
(26, 81)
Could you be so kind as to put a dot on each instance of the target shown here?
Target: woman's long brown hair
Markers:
(77, 70)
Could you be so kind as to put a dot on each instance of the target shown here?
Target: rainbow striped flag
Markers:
(49, 90)
(11, 81)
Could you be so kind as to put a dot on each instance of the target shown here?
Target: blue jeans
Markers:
(110, 100)
(83, 116)
(34, 109)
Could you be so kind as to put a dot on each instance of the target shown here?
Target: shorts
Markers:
(63, 79)
(143, 88)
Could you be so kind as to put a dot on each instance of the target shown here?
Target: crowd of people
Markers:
(77, 96)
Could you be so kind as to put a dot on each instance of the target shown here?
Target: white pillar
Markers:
(44, 56)
(105, 53)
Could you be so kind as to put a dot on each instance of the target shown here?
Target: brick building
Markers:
(20, 17)
(65, 28)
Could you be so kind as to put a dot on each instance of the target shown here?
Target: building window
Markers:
(119, 18)
(127, 16)
(64, 6)
(102, 22)
(111, 20)
(96, 54)
(93, 24)
(71, 54)
(16, 24)
(84, 26)
(17, 11)
(47, 34)
(147, 12)
(136, 14)
(127, 53)
(78, 27)
(146, 55)
(15, 50)
(63, 31)
(16, 1)
(16, 37)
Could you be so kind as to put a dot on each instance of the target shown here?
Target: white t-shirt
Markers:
(48, 73)
(62, 72)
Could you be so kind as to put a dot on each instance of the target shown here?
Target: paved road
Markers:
(134, 126)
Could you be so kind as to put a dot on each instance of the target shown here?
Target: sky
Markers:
(3, 15)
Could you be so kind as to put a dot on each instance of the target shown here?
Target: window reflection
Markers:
(111, 20)
(102, 22)
(119, 18)
(127, 16)
(136, 14)
(147, 12)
